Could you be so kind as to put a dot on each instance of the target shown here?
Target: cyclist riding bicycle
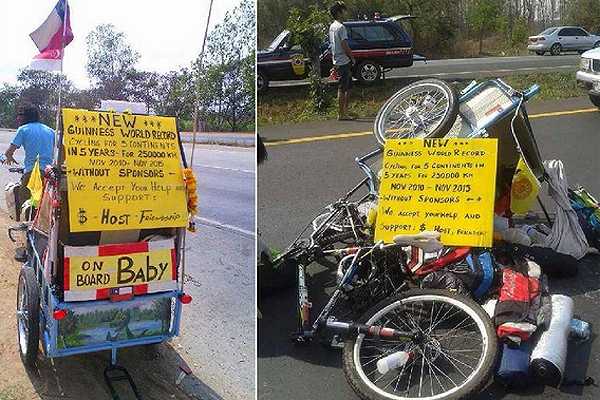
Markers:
(37, 140)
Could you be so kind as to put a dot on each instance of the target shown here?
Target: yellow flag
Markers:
(524, 190)
(35, 185)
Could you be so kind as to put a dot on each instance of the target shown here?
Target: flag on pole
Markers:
(35, 184)
(52, 37)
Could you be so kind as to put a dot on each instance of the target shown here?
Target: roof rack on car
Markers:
(396, 18)
(380, 17)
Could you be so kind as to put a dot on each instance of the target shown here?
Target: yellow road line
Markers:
(317, 138)
(559, 113)
(334, 136)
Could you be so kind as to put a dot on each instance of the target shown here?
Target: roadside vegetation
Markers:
(452, 28)
(221, 85)
(9, 393)
(292, 105)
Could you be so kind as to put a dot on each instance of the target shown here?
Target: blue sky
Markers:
(167, 34)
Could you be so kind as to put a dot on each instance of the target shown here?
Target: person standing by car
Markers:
(342, 57)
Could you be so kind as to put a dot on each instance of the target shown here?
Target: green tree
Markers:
(145, 87)
(584, 13)
(9, 95)
(225, 78)
(308, 28)
(40, 88)
(482, 18)
(176, 89)
(111, 61)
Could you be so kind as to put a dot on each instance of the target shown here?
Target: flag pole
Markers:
(197, 100)
(191, 164)
(62, 57)
(51, 260)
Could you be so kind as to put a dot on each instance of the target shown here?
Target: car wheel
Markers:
(555, 49)
(540, 53)
(597, 44)
(595, 99)
(262, 82)
(368, 72)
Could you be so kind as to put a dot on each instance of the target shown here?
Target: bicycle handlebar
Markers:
(19, 170)
(372, 179)
(532, 91)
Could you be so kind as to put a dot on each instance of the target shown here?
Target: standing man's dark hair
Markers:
(341, 56)
(27, 113)
(336, 8)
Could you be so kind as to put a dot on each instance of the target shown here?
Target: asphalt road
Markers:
(300, 178)
(469, 68)
(218, 328)
(217, 339)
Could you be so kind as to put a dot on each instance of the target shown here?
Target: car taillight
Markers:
(541, 39)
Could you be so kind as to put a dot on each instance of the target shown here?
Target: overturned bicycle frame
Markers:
(499, 124)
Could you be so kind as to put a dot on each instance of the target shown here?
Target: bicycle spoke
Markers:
(421, 378)
(453, 348)
(431, 371)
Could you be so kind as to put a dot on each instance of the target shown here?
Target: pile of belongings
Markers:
(511, 281)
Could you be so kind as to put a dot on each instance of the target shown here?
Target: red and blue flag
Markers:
(52, 37)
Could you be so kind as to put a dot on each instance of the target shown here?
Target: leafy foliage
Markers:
(585, 13)
(445, 28)
(111, 61)
(308, 27)
(224, 85)
(483, 17)
(225, 78)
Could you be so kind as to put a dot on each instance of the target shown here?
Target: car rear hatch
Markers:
(398, 19)
(536, 39)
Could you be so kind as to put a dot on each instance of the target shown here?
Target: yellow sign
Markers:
(444, 185)
(99, 272)
(524, 189)
(298, 64)
(123, 171)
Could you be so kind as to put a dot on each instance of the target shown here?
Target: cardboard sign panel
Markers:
(444, 185)
(123, 171)
(92, 272)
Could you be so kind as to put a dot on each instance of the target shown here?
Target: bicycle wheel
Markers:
(423, 109)
(452, 358)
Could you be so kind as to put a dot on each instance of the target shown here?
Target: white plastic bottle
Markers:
(393, 361)
(536, 236)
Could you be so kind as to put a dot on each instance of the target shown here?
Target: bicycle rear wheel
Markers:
(452, 357)
(423, 109)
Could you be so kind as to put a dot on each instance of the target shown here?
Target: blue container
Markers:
(513, 369)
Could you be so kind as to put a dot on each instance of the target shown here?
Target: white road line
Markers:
(247, 171)
(217, 224)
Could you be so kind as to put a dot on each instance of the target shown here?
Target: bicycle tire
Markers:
(472, 385)
(439, 129)
(28, 328)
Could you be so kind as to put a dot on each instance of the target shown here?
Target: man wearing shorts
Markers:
(342, 57)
